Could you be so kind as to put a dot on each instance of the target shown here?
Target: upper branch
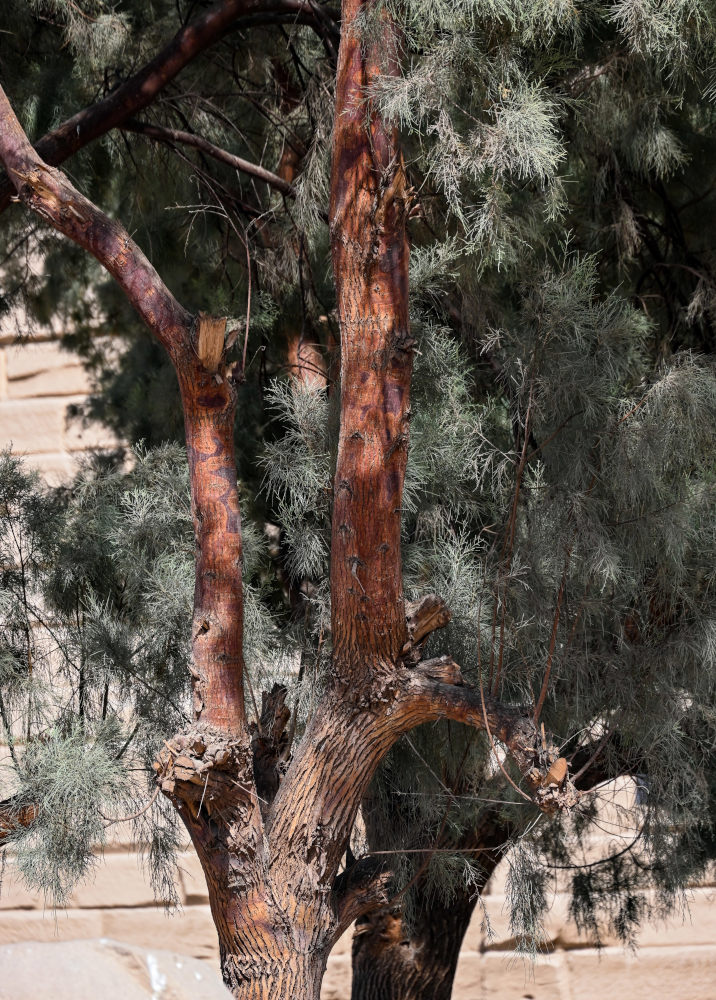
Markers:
(140, 89)
(170, 135)
(435, 690)
(197, 350)
(49, 193)
(370, 263)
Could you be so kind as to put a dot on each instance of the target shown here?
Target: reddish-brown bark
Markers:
(209, 402)
(370, 265)
(306, 362)
(13, 816)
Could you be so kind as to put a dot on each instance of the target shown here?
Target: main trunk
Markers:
(264, 955)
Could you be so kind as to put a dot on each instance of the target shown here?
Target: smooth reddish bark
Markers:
(209, 405)
(370, 266)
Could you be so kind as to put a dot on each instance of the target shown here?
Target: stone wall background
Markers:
(38, 381)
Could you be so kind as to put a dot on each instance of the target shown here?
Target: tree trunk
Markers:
(394, 962)
(394, 959)
(370, 264)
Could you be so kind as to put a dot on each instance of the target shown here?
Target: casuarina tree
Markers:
(509, 539)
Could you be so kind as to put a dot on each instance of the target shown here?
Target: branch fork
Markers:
(422, 617)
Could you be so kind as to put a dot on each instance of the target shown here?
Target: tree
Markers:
(272, 827)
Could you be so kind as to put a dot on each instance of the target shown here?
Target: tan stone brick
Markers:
(66, 381)
(116, 881)
(696, 926)
(511, 978)
(501, 937)
(36, 356)
(55, 468)
(43, 369)
(3, 374)
(79, 436)
(31, 425)
(336, 983)
(39, 925)
(119, 838)
(476, 937)
(469, 976)
(344, 943)
(678, 973)
(190, 931)
(192, 879)
(15, 895)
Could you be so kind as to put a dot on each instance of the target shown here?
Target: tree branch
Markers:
(348, 736)
(170, 136)
(14, 816)
(369, 245)
(361, 887)
(48, 193)
(197, 349)
(434, 690)
(269, 741)
(140, 89)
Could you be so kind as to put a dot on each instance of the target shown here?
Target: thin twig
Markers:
(126, 819)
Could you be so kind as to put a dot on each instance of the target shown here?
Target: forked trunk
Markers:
(270, 834)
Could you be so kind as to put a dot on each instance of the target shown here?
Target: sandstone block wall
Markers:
(676, 960)
(38, 381)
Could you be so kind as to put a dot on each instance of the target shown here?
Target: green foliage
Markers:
(96, 605)
(560, 485)
(71, 775)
